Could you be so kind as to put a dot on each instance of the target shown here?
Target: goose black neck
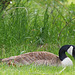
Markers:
(62, 51)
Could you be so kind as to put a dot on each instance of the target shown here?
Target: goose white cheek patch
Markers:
(70, 50)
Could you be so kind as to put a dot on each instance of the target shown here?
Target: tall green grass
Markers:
(25, 25)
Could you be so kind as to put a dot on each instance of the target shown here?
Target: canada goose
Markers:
(45, 58)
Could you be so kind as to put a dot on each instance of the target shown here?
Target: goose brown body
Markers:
(38, 58)
(44, 58)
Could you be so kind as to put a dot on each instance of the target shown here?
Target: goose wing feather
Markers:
(38, 58)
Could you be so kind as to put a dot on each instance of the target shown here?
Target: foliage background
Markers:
(31, 25)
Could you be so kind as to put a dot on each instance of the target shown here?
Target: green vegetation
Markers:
(36, 70)
(36, 25)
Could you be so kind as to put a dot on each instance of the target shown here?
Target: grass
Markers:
(35, 70)
(31, 25)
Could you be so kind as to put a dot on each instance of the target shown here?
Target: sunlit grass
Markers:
(71, 1)
(36, 70)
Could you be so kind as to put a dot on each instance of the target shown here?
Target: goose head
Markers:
(70, 49)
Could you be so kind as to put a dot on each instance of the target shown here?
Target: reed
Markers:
(29, 25)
